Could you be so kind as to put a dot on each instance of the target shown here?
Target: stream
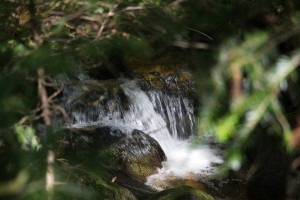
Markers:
(169, 119)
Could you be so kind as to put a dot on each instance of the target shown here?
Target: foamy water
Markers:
(185, 162)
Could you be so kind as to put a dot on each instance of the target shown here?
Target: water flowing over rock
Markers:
(178, 112)
(167, 118)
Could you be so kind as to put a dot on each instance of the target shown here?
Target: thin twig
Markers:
(76, 14)
(281, 119)
(23, 120)
(50, 180)
(51, 84)
(89, 18)
(194, 45)
(48, 78)
(105, 20)
(192, 29)
(55, 93)
(27, 117)
(63, 112)
(176, 2)
(236, 83)
(99, 3)
(131, 8)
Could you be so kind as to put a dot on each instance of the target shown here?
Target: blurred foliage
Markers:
(243, 53)
(27, 138)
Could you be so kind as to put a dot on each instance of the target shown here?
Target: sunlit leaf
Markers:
(27, 137)
(226, 127)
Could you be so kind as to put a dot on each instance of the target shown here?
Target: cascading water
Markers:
(167, 119)
(178, 112)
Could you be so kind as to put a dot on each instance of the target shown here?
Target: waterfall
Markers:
(178, 112)
(168, 119)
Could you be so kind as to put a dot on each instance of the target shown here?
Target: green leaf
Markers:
(226, 127)
(27, 138)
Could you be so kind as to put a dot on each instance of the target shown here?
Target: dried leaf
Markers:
(114, 179)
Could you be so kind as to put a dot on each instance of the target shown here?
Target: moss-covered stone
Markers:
(86, 184)
(113, 191)
(167, 73)
(136, 154)
(164, 65)
(139, 155)
(182, 193)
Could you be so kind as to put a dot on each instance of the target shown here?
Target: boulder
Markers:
(86, 184)
(139, 154)
(86, 100)
(135, 153)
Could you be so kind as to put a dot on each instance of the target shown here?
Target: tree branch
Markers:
(43, 97)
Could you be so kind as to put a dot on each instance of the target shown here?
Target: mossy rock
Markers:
(182, 193)
(84, 183)
(113, 191)
(168, 73)
(139, 155)
(136, 154)
(165, 65)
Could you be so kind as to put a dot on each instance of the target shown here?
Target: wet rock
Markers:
(180, 193)
(169, 74)
(115, 191)
(139, 154)
(135, 153)
(85, 184)
(86, 100)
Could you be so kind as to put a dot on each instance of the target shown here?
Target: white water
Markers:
(167, 119)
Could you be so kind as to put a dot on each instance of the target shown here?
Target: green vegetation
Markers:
(243, 54)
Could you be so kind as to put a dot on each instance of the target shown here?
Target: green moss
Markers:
(141, 168)
(88, 184)
(137, 167)
(165, 65)
(180, 193)
(155, 72)
(112, 191)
